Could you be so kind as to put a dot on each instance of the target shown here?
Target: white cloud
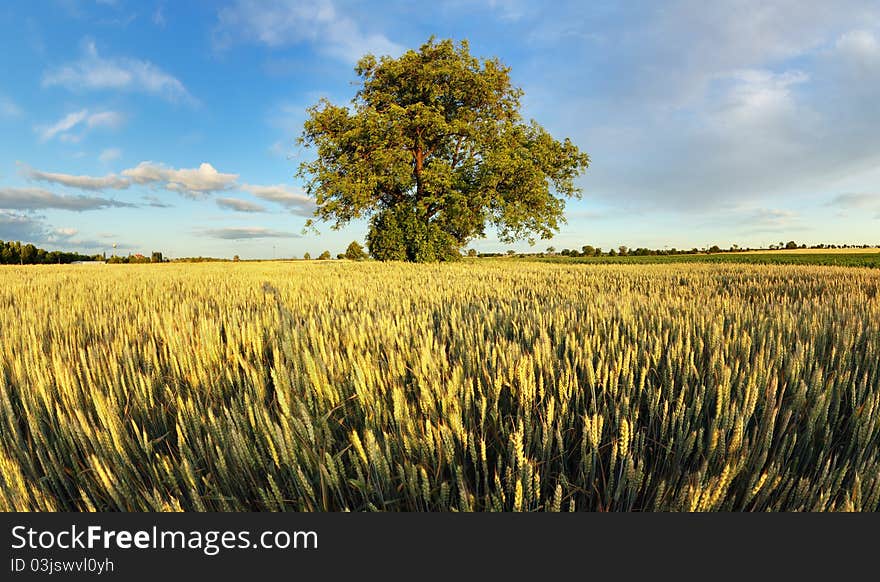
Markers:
(61, 235)
(240, 205)
(61, 128)
(857, 201)
(509, 9)
(110, 154)
(293, 199)
(64, 124)
(8, 107)
(857, 55)
(190, 182)
(39, 199)
(860, 44)
(109, 119)
(108, 182)
(756, 95)
(65, 232)
(245, 232)
(695, 104)
(290, 22)
(768, 220)
(94, 72)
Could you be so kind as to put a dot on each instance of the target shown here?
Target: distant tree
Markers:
(597, 252)
(156, 257)
(714, 249)
(341, 256)
(307, 257)
(510, 252)
(355, 252)
(551, 250)
(235, 259)
(325, 256)
(138, 258)
(612, 253)
(791, 245)
(588, 250)
(622, 250)
(28, 254)
(472, 252)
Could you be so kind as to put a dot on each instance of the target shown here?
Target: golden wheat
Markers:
(459, 387)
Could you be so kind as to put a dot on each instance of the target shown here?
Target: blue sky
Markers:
(171, 126)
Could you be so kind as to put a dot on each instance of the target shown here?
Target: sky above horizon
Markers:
(171, 126)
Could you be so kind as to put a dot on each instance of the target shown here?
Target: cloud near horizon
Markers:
(245, 232)
(295, 200)
(239, 205)
(39, 199)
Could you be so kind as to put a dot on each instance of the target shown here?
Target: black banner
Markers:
(409, 546)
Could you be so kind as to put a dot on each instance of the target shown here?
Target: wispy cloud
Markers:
(95, 72)
(64, 124)
(109, 155)
(245, 232)
(764, 220)
(82, 118)
(862, 202)
(8, 107)
(290, 22)
(193, 182)
(39, 199)
(156, 202)
(239, 205)
(95, 183)
(509, 9)
(159, 16)
(60, 235)
(292, 199)
(111, 119)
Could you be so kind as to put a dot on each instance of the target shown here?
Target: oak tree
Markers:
(433, 149)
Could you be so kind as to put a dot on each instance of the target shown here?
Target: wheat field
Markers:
(479, 386)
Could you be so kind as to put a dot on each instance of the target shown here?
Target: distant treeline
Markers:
(623, 251)
(15, 253)
(199, 260)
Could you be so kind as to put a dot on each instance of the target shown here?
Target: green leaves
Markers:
(437, 133)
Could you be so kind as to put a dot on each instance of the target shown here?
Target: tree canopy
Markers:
(433, 150)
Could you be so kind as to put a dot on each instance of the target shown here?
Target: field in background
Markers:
(847, 251)
(487, 385)
(802, 257)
